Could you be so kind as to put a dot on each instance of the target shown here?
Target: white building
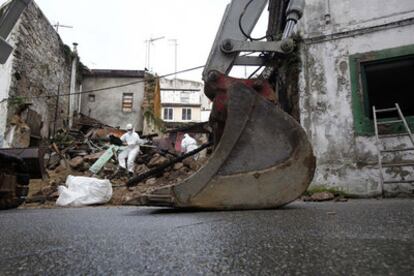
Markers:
(356, 54)
(183, 101)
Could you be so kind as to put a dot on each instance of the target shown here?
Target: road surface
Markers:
(359, 237)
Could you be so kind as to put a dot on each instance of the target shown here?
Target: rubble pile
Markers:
(320, 195)
(75, 153)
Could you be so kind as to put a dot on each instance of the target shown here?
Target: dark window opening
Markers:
(168, 113)
(387, 82)
(186, 114)
(127, 101)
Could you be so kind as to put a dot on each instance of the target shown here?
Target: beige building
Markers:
(182, 101)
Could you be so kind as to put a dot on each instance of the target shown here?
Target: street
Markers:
(359, 237)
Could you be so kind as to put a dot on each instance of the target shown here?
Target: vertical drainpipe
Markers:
(327, 12)
(80, 99)
(72, 90)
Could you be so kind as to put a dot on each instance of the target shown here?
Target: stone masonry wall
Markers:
(41, 64)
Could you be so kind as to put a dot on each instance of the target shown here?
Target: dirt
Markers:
(44, 193)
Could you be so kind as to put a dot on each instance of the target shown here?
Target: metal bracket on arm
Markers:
(230, 29)
(232, 46)
(233, 34)
(8, 19)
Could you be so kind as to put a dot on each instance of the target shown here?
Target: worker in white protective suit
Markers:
(132, 140)
(189, 144)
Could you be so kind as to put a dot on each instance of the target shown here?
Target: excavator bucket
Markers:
(263, 158)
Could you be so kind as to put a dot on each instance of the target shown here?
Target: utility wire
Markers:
(109, 87)
(118, 86)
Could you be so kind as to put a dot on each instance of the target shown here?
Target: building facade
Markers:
(183, 101)
(121, 103)
(356, 55)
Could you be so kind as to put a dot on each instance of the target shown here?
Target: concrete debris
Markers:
(323, 196)
(157, 160)
(151, 181)
(76, 162)
(191, 163)
(77, 152)
(18, 133)
(93, 157)
(178, 166)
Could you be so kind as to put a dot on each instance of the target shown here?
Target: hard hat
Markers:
(129, 126)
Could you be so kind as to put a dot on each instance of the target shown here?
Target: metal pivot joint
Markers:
(233, 37)
(230, 46)
(247, 169)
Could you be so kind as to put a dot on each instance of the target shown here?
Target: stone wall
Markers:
(151, 106)
(40, 65)
(346, 159)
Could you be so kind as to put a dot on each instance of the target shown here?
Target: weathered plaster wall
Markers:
(40, 63)
(348, 15)
(180, 84)
(107, 106)
(176, 97)
(344, 159)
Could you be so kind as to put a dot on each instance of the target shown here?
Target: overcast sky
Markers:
(111, 34)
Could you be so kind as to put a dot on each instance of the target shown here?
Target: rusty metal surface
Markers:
(33, 158)
(7, 183)
(263, 160)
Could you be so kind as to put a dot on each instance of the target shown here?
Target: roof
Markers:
(107, 73)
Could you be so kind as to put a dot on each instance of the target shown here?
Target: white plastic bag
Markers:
(83, 191)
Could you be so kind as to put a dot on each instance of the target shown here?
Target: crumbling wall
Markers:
(345, 160)
(151, 105)
(40, 66)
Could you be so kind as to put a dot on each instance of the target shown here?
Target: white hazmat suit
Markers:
(133, 142)
(188, 144)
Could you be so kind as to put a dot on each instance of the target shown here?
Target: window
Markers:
(184, 97)
(168, 113)
(127, 100)
(389, 81)
(186, 114)
(91, 97)
(381, 79)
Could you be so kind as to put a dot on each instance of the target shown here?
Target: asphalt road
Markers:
(360, 237)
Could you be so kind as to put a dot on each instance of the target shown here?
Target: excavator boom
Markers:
(262, 157)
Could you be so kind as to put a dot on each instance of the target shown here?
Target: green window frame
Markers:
(363, 125)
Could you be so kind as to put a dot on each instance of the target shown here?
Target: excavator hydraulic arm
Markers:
(262, 157)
